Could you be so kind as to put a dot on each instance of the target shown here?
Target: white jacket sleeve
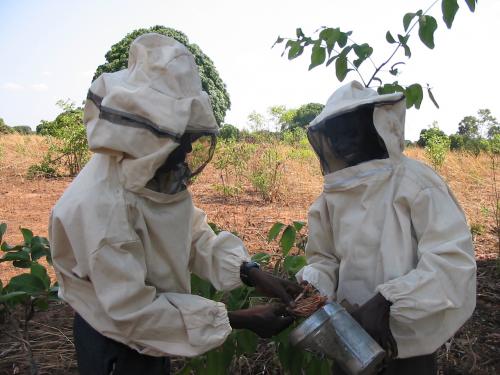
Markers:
(216, 257)
(152, 323)
(431, 302)
(323, 266)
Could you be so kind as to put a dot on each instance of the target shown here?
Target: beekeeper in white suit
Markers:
(386, 233)
(125, 235)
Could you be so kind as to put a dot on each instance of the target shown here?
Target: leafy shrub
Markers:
(425, 134)
(33, 290)
(231, 161)
(266, 173)
(228, 131)
(44, 169)
(68, 149)
(295, 137)
(477, 229)
(436, 149)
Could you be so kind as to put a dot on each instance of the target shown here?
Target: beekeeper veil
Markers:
(350, 129)
(153, 116)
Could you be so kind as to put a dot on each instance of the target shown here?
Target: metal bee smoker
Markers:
(333, 332)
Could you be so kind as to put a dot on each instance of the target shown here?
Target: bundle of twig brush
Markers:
(307, 302)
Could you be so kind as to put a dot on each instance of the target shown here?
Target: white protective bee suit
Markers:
(123, 253)
(392, 226)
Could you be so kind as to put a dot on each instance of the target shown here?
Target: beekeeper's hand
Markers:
(264, 320)
(271, 286)
(374, 318)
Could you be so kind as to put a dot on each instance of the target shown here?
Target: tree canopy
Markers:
(117, 59)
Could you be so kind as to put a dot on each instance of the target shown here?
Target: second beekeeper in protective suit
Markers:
(386, 235)
(125, 235)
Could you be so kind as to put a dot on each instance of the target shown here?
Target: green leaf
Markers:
(13, 296)
(330, 36)
(215, 228)
(274, 231)
(201, 287)
(294, 263)
(22, 263)
(390, 38)
(39, 271)
(390, 88)
(299, 32)
(295, 50)
(41, 304)
(414, 95)
(404, 40)
(6, 247)
(26, 282)
(427, 25)
(39, 249)
(318, 56)
(3, 229)
(449, 9)
(343, 37)
(363, 51)
(332, 59)
(407, 50)
(287, 239)
(407, 20)
(246, 342)
(298, 225)
(431, 96)
(18, 255)
(27, 235)
(261, 258)
(341, 67)
(471, 4)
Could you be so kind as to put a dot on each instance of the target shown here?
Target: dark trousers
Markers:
(421, 365)
(99, 355)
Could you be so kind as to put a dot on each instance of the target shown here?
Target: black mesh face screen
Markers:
(347, 140)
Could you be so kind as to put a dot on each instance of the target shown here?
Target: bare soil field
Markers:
(475, 349)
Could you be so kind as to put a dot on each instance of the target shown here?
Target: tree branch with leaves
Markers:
(331, 45)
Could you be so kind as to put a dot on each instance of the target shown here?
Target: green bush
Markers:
(425, 134)
(32, 289)
(437, 146)
(266, 173)
(44, 169)
(68, 148)
(231, 161)
(228, 131)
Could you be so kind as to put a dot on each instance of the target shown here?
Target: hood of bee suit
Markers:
(139, 114)
(389, 112)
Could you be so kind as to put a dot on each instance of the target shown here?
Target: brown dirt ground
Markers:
(475, 349)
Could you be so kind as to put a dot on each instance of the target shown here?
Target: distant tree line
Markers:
(6, 129)
(475, 134)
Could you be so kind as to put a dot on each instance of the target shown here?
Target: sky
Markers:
(51, 48)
